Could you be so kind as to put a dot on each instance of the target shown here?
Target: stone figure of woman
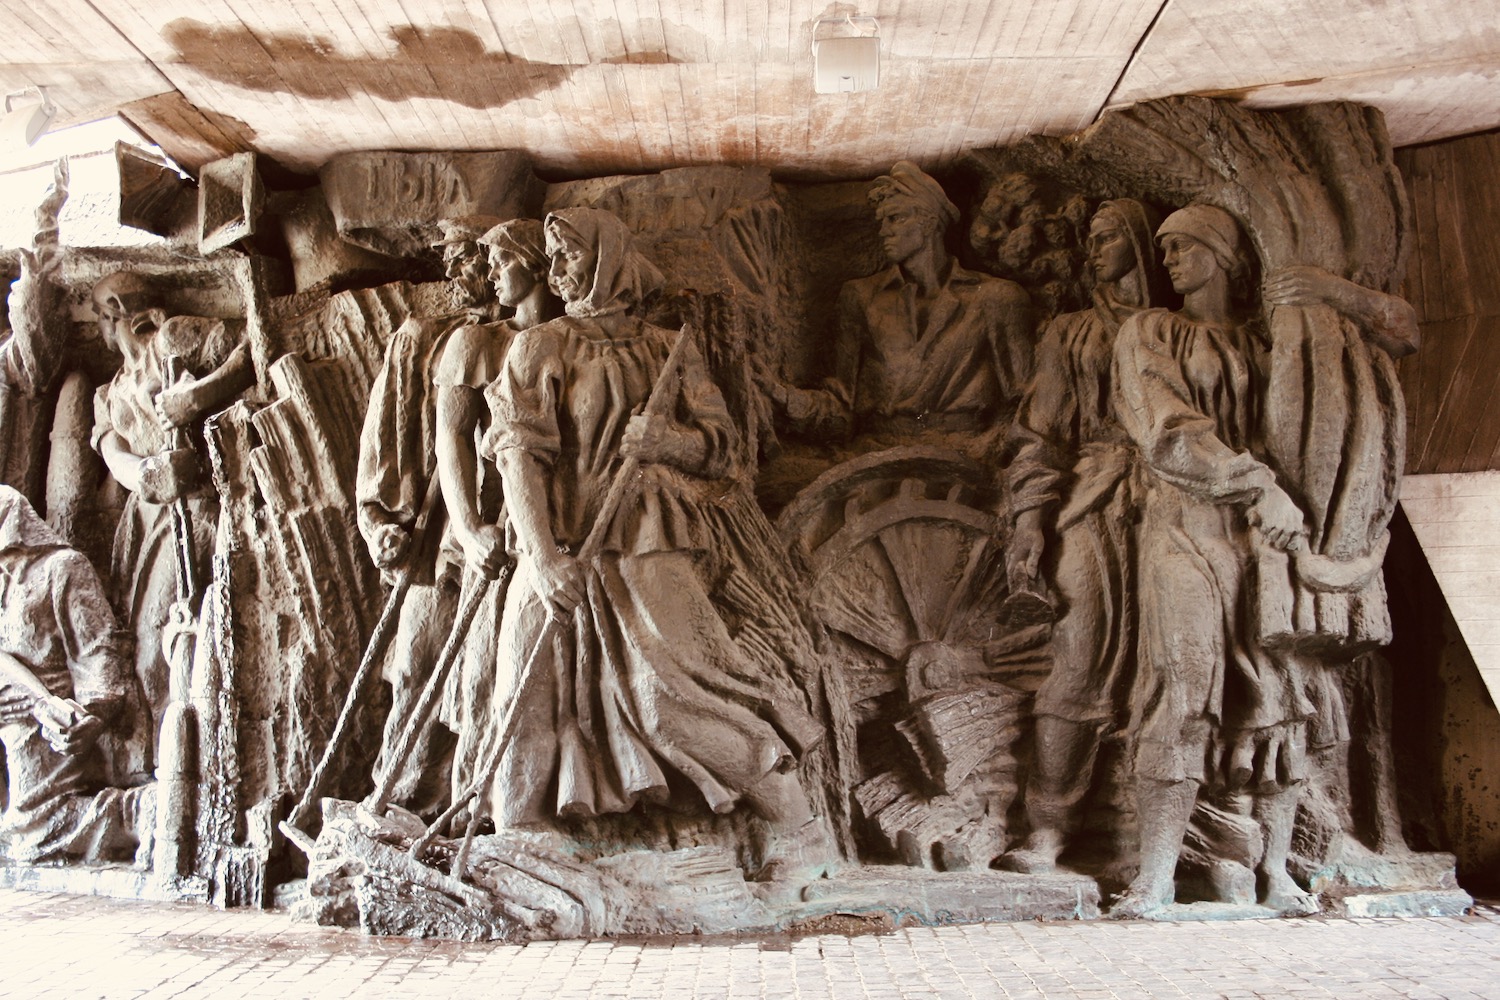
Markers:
(472, 359)
(639, 693)
(136, 419)
(1217, 712)
(1071, 482)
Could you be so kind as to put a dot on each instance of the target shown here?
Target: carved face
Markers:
(1189, 264)
(466, 267)
(1111, 254)
(512, 278)
(572, 272)
(904, 228)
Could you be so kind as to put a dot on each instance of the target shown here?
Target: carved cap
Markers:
(907, 180)
(1211, 226)
(465, 228)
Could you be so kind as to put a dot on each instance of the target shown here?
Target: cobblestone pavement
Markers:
(78, 948)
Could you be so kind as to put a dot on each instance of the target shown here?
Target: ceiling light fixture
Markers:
(27, 114)
(846, 63)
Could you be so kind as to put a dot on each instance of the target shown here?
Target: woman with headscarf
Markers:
(1215, 709)
(1071, 474)
(638, 692)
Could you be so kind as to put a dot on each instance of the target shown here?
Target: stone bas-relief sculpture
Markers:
(1076, 613)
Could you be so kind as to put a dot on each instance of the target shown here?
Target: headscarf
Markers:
(523, 237)
(1211, 226)
(906, 180)
(622, 275)
(1140, 224)
(20, 528)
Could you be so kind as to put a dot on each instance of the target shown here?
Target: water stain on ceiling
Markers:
(443, 63)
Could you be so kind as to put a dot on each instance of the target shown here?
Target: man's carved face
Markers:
(1189, 264)
(904, 228)
(465, 265)
(1111, 254)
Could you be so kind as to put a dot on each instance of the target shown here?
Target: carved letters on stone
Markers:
(459, 594)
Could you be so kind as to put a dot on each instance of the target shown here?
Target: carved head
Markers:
(464, 260)
(595, 267)
(518, 259)
(1199, 243)
(913, 211)
(128, 306)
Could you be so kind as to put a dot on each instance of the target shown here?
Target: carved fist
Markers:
(484, 549)
(1023, 557)
(171, 475)
(178, 405)
(560, 582)
(649, 439)
(67, 725)
(1278, 519)
(388, 546)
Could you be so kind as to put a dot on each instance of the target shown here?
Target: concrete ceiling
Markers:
(639, 85)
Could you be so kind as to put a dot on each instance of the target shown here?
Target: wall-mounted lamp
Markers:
(846, 63)
(27, 113)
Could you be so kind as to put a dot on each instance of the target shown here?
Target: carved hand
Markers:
(1306, 286)
(170, 475)
(655, 439)
(647, 438)
(1278, 518)
(16, 706)
(67, 725)
(388, 545)
(1023, 557)
(560, 581)
(178, 405)
(484, 549)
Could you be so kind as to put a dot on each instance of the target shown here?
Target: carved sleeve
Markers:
(94, 646)
(701, 407)
(827, 412)
(1011, 344)
(1158, 407)
(1044, 436)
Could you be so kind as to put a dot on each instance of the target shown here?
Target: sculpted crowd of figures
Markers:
(1051, 595)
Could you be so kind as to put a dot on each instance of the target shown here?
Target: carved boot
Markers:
(1038, 854)
(1065, 753)
(1276, 812)
(1164, 808)
(796, 857)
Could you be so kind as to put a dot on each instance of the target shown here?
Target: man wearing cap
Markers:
(397, 460)
(925, 346)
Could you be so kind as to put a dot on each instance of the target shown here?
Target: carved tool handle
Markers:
(389, 615)
(656, 405)
(422, 711)
(172, 371)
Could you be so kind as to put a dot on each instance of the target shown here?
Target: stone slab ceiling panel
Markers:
(633, 85)
(86, 65)
(1433, 68)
